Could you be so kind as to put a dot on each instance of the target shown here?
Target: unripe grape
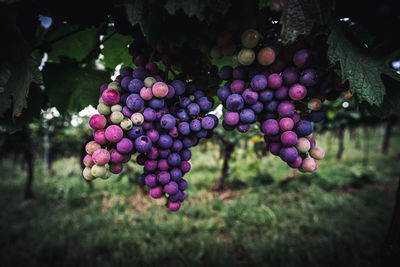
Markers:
(88, 161)
(215, 53)
(116, 107)
(250, 38)
(106, 176)
(98, 170)
(149, 82)
(303, 145)
(110, 96)
(137, 118)
(97, 122)
(228, 50)
(317, 153)
(116, 117)
(309, 164)
(314, 104)
(87, 174)
(246, 56)
(126, 124)
(146, 93)
(91, 147)
(103, 109)
(114, 85)
(266, 56)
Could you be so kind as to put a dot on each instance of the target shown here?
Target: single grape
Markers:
(124, 146)
(303, 145)
(274, 81)
(146, 93)
(110, 96)
(266, 56)
(231, 118)
(88, 161)
(135, 85)
(98, 170)
(288, 154)
(250, 38)
(288, 138)
(270, 127)
(114, 133)
(250, 96)
(97, 122)
(116, 117)
(234, 102)
(286, 109)
(143, 144)
(302, 58)
(297, 92)
(317, 153)
(246, 56)
(304, 128)
(103, 109)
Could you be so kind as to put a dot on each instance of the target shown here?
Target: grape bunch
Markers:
(283, 92)
(160, 121)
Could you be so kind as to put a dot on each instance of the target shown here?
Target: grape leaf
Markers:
(71, 87)
(116, 51)
(363, 72)
(299, 17)
(135, 9)
(75, 46)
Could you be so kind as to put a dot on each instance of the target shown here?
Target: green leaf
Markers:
(363, 72)
(75, 46)
(116, 51)
(71, 87)
(299, 17)
(135, 9)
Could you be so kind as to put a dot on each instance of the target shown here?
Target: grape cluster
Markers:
(281, 92)
(161, 121)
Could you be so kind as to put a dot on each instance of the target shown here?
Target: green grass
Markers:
(336, 217)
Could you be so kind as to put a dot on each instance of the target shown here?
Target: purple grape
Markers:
(124, 146)
(149, 114)
(182, 185)
(140, 73)
(308, 77)
(239, 73)
(150, 165)
(152, 68)
(151, 180)
(186, 154)
(208, 123)
(201, 134)
(147, 125)
(174, 159)
(97, 122)
(134, 102)
(165, 141)
(156, 192)
(114, 133)
(288, 154)
(195, 125)
(135, 132)
(205, 103)
(270, 127)
(184, 128)
(153, 154)
(125, 82)
(177, 146)
(227, 127)
(184, 102)
(271, 106)
(297, 92)
(274, 81)
(286, 124)
(176, 174)
(225, 73)
(171, 188)
(223, 93)
(198, 94)
(275, 148)
(135, 85)
(193, 109)
(250, 96)
(288, 138)
(237, 86)
(163, 165)
(191, 88)
(179, 87)
(281, 93)
(187, 142)
(143, 144)
(176, 197)
(167, 121)
(174, 206)
(297, 163)
(266, 95)
(259, 82)
(156, 103)
(185, 167)
(127, 112)
(290, 76)
(302, 58)
(163, 177)
(286, 109)
(317, 115)
(115, 156)
(304, 128)
(247, 116)
(257, 107)
(126, 71)
(242, 127)
(171, 92)
(231, 118)
(234, 102)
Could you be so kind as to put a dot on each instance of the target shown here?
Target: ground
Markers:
(336, 217)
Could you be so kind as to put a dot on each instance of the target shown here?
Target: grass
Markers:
(337, 217)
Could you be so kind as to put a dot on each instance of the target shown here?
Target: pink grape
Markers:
(297, 92)
(91, 147)
(160, 89)
(97, 122)
(101, 156)
(286, 124)
(174, 206)
(100, 136)
(146, 93)
(156, 192)
(309, 164)
(317, 152)
(110, 96)
(88, 161)
(114, 133)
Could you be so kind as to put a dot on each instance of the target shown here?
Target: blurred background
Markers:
(244, 207)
